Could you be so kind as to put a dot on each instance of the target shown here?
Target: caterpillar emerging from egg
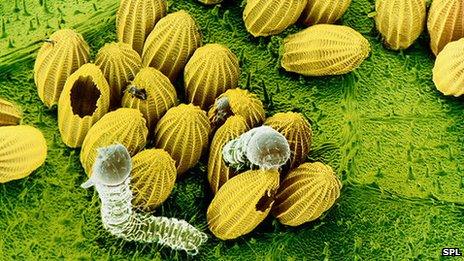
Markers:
(111, 178)
(237, 102)
(263, 147)
(125, 126)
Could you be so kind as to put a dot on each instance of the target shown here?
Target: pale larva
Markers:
(111, 178)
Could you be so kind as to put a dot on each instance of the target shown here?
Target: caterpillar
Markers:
(111, 178)
(262, 146)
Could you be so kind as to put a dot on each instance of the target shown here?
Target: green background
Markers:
(394, 140)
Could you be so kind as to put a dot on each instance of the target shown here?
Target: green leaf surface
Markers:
(395, 141)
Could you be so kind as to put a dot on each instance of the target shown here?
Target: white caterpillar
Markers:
(262, 146)
(111, 178)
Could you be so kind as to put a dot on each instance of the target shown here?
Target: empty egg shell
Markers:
(135, 19)
(119, 63)
(84, 100)
(448, 72)
(237, 102)
(171, 44)
(57, 59)
(297, 131)
(152, 178)
(212, 70)
(218, 172)
(400, 21)
(324, 50)
(10, 114)
(22, 150)
(306, 193)
(152, 93)
(324, 11)
(445, 23)
(124, 126)
(183, 132)
(264, 17)
(242, 203)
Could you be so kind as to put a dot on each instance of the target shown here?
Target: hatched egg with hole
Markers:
(242, 203)
(84, 100)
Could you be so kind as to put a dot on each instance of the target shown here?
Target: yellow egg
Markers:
(10, 114)
(212, 70)
(152, 178)
(57, 59)
(84, 100)
(306, 193)
(445, 23)
(264, 17)
(242, 203)
(218, 172)
(448, 72)
(298, 133)
(171, 44)
(124, 126)
(324, 11)
(135, 19)
(210, 2)
(400, 21)
(322, 50)
(183, 132)
(237, 102)
(151, 93)
(119, 63)
(22, 150)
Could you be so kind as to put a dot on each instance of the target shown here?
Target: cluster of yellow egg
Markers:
(243, 200)
(127, 96)
(326, 49)
(320, 50)
(402, 21)
(22, 148)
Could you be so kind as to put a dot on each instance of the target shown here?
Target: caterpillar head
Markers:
(221, 112)
(112, 166)
(136, 92)
(267, 148)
